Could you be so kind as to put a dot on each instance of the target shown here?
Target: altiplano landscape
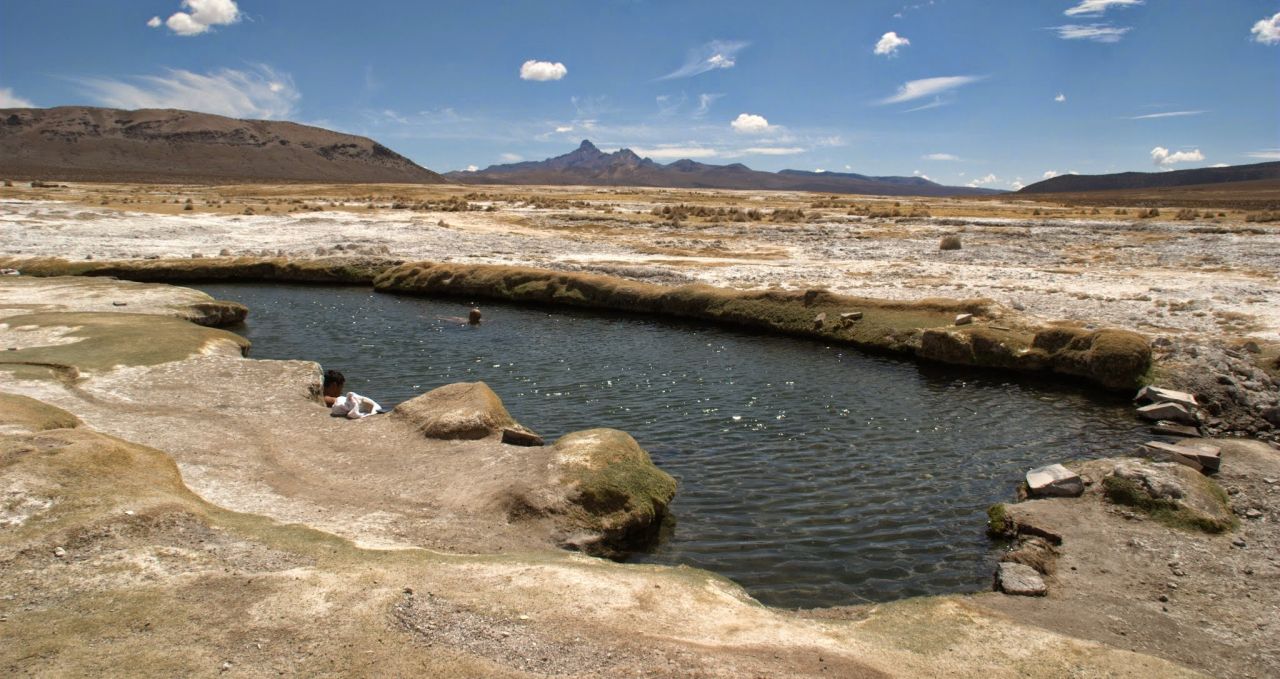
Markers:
(639, 340)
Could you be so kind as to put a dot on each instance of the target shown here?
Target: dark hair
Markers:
(334, 377)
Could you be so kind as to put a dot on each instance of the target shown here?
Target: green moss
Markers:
(1127, 492)
(998, 522)
(620, 493)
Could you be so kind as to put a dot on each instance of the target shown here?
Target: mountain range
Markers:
(82, 143)
(588, 165)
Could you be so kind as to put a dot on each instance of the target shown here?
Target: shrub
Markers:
(951, 242)
(1186, 214)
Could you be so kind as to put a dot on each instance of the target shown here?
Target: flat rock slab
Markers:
(1174, 412)
(1162, 395)
(964, 319)
(1054, 480)
(1019, 579)
(1168, 428)
(1204, 457)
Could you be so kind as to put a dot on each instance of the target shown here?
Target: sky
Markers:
(966, 92)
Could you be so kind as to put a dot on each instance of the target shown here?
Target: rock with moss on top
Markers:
(618, 495)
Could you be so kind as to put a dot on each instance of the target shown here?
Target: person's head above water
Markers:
(473, 318)
(333, 382)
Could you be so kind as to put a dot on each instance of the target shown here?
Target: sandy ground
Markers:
(1210, 276)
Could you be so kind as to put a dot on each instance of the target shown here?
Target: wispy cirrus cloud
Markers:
(1264, 154)
(257, 93)
(705, 101)
(1098, 7)
(926, 87)
(940, 156)
(717, 54)
(1166, 114)
(1105, 33)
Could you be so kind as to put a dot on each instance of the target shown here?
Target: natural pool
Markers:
(813, 475)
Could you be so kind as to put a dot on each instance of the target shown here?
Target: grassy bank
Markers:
(1115, 359)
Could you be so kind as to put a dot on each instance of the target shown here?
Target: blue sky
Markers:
(963, 91)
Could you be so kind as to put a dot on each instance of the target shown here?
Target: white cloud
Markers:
(1060, 98)
(1094, 32)
(704, 104)
(771, 151)
(749, 123)
(1016, 185)
(1049, 174)
(202, 15)
(1098, 7)
(1162, 157)
(714, 55)
(542, 70)
(510, 158)
(889, 43)
(1169, 114)
(564, 128)
(1267, 31)
(10, 100)
(918, 173)
(916, 89)
(471, 168)
(676, 152)
(981, 181)
(260, 93)
(818, 170)
(1265, 154)
(1220, 165)
(940, 156)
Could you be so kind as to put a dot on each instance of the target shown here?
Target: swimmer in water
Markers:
(473, 318)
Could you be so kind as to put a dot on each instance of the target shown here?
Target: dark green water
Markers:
(812, 475)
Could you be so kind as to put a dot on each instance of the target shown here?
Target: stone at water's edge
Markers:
(1151, 394)
(464, 410)
(1167, 411)
(1173, 429)
(1054, 480)
(618, 494)
(1204, 457)
(1019, 579)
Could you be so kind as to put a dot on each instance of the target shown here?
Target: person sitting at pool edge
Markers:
(350, 405)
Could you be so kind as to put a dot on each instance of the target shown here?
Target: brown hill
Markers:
(588, 165)
(1130, 181)
(81, 143)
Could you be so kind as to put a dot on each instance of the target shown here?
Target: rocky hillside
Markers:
(588, 165)
(81, 143)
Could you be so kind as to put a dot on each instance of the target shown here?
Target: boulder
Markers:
(464, 410)
(1019, 579)
(1054, 480)
(615, 489)
(964, 319)
(1151, 394)
(1173, 494)
(1174, 412)
(851, 316)
(819, 320)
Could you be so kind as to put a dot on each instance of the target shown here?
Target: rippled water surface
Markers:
(813, 475)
